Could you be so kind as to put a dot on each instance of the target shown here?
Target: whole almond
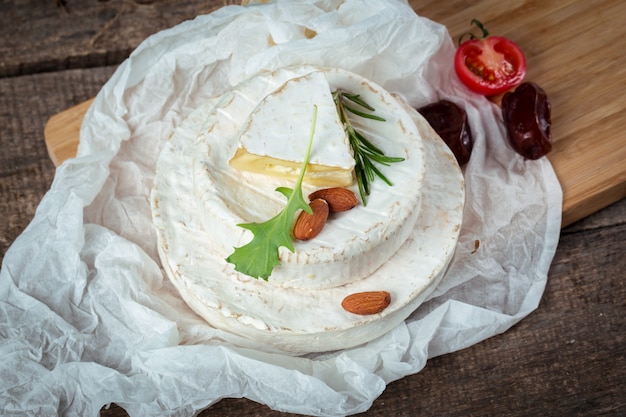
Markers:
(310, 225)
(365, 303)
(338, 199)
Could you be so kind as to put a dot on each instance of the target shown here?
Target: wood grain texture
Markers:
(565, 359)
(26, 170)
(38, 36)
(586, 94)
(64, 127)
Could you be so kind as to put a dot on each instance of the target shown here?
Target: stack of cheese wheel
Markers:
(221, 168)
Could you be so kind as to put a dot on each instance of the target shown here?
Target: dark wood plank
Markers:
(37, 36)
(26, 171)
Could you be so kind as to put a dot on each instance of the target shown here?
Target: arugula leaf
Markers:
(258, 257)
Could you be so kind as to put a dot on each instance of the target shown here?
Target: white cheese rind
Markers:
(353, 244)
(299, 321)
(274, 137)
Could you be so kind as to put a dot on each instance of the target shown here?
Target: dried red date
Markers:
(526, 113)
(450, 123)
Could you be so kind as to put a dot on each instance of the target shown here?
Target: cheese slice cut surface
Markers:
(274, 137)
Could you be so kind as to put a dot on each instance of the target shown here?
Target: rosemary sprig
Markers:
(366, 154)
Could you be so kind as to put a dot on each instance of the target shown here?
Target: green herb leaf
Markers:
(259, 257)
(365, 152)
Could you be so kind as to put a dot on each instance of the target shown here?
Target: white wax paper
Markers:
(87, 317)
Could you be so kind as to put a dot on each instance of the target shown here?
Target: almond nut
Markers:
(310, 225)
(338, 199)
(365, 303)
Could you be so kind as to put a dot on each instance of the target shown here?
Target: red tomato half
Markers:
(491, 65)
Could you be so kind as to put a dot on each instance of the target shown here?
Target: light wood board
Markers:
(572, 49)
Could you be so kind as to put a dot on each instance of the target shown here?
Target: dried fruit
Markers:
(365, 303)
(310, 225)
(450, 123)
(526, 114)
(338, 199)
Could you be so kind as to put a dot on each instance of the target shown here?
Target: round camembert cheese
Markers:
(353, 244)
(221, 168)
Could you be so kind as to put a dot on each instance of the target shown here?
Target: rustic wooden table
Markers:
(566, 358)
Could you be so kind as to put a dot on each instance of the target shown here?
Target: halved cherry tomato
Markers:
(489, 65)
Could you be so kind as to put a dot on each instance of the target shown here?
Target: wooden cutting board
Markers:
(573, 52)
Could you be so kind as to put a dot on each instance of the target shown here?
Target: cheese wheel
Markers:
(279, 317)
(353, 244)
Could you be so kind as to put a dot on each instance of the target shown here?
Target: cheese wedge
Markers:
(274, 138)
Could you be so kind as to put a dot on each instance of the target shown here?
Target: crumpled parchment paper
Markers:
(87, 317)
